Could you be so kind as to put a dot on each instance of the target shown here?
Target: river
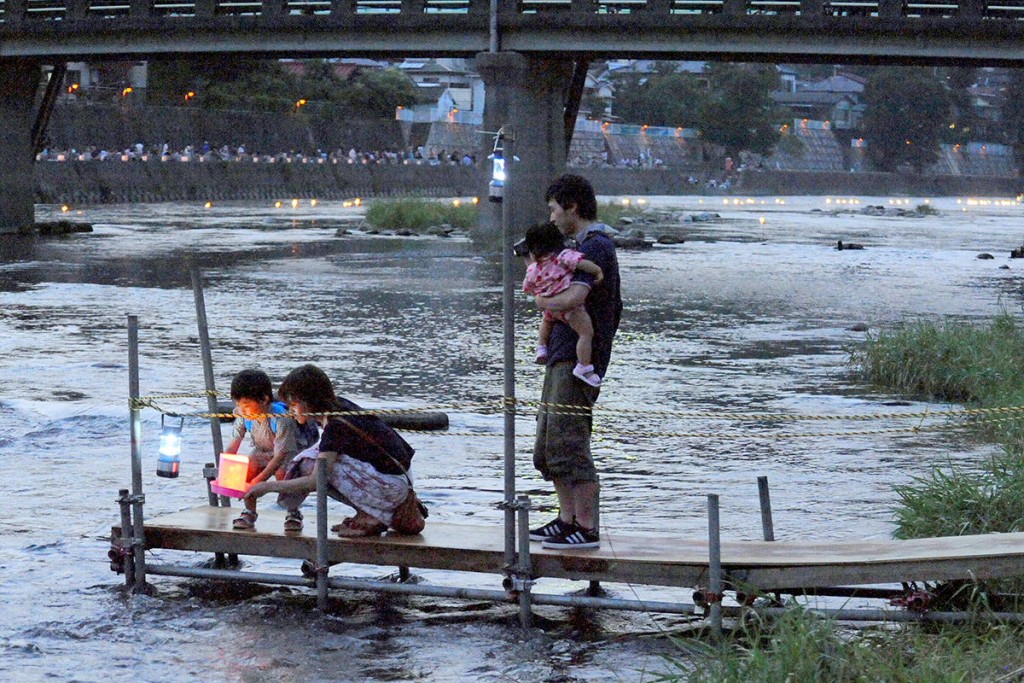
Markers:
(748, 316)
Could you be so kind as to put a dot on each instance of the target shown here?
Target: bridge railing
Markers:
(18, 15)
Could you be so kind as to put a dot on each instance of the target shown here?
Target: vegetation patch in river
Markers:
(981, 367)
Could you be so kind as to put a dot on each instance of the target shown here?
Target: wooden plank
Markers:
(644, 559)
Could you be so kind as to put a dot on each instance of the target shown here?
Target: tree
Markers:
(263, 85)
(739, 113)
(908, 110)
(664, 98)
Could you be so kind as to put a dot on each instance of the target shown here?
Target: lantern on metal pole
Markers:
(169, 462)
(496, 187)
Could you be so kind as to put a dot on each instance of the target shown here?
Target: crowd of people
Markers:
(421, 155)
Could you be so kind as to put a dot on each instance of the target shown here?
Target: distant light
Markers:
(208, 205)
(300, 103)
(476, 200)
(127, 91)
(190, 95)
(313, 202)
(65, 208)
(456, 202)
(295, 203)
(277, 205)
(761, 220)
(358, 202)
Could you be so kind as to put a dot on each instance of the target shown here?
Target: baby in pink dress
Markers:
(549, 272)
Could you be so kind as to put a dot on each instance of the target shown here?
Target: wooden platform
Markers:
(647, 560)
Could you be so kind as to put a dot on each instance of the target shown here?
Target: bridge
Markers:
(982, 31)
(532, 54)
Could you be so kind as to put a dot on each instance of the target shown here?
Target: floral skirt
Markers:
(353, 482)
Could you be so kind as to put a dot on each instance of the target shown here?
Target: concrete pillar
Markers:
(19, 80)
(528, 94)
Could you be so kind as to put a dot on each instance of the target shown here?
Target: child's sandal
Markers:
(293, 521)
(247, 520)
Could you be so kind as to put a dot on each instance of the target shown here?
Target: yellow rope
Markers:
(512, 405)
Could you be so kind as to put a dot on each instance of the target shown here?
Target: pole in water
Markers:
(321, 534)
(509, 289)
(138, 529)
(524, 567)
(715, 567)
(767, 526)
(211, 389)
(127, 536)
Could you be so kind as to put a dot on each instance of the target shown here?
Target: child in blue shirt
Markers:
(275, 440)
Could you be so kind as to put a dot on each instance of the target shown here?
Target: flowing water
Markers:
(747, 316)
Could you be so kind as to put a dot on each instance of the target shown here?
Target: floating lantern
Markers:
(232, 473)
(168, 464)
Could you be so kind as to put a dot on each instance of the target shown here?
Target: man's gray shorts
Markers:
(562, 448)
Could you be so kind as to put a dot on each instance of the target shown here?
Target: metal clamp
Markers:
(703, 597)
(520, 585)
(139, 498)
(914, 601)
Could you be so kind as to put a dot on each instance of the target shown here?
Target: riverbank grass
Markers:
(981, 367)
(801, 646)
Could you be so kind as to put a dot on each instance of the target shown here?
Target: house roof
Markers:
(836, 84)
(810, 98)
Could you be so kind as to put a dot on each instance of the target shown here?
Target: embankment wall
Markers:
(154, 181)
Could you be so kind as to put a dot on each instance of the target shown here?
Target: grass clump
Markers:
(801, 646)
(612, 213)
(954, 362)
(419, 214)
(982, 367)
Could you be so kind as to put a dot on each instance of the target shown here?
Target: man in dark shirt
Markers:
(562, 449)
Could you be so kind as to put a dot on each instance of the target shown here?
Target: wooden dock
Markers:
(647, 559)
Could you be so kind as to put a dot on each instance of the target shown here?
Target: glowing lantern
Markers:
(168, 464)
(234, 467)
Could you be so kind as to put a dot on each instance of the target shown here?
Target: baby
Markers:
(549, 272)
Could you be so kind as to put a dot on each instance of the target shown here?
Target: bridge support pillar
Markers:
(19, 80)
(528, 94)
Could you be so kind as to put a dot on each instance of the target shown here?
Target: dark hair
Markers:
(312, 386)
(543, 239)
(574, 190)
(251, 383)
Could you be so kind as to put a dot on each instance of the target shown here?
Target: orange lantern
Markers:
(234, 467)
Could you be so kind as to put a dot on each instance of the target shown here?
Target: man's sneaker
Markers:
(574, 537)
(555, 527)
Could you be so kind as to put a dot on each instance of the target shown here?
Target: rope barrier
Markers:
(505, 405)
(746, 435)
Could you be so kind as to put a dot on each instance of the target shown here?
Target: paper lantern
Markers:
(233, 469)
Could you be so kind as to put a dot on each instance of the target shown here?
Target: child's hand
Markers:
(256, 490)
